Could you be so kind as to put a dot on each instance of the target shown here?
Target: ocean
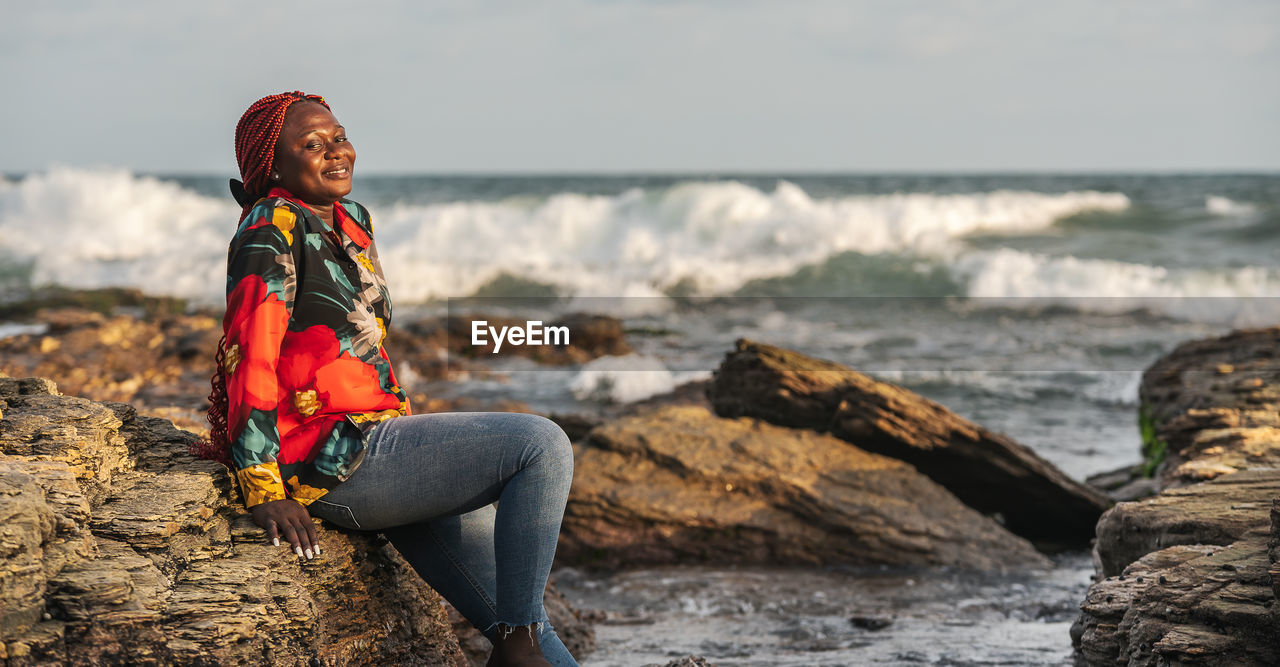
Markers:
(1029, 303)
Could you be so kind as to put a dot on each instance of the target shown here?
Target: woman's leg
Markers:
(424, 468)
(455, 555)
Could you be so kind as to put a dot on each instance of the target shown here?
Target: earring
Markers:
(275, 177)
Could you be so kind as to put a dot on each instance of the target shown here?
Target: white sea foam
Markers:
(627, 379)
(90, 228)
(708, 237)
(1246, 296)
(1227, 207)
(10, 329)
(94, 228)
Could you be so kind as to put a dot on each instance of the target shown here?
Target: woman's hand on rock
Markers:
(290, 520)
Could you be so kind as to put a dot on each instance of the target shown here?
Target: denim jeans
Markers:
(428, 482)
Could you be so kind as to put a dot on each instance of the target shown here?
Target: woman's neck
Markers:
(325, 212)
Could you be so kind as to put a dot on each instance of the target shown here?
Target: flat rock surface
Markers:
(676, 484)
(987, 471)
(1218, 512)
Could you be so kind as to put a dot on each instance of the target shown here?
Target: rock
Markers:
(677, 484)
(117, 546)
(870, 622)
(687, 661)
(1274, 548)
(1191, 604)
(986, 470)
(1217, 512)
(1205, 422)
(42, 425)
(162, 360)
(1191, 574)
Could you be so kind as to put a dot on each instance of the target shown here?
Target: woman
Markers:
(307, 410)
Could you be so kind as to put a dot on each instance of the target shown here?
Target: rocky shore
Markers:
(119, 547)
(1191, 574)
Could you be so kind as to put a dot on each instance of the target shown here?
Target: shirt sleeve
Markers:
(261, 281)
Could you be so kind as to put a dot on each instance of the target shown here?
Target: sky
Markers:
(659, 86)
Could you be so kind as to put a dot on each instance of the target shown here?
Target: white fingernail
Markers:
(275, 541)
(317, 549)
(309, 556)
(299, 551)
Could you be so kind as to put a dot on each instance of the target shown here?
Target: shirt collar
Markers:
(349, 227)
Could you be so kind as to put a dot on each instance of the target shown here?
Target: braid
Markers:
(257, 134)
(217, 447)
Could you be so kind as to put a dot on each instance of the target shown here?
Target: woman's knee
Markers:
(548, 441)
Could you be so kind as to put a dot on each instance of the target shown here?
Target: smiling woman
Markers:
(307, 410)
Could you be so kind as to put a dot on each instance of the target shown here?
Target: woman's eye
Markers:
(341, 139)
(313, 145)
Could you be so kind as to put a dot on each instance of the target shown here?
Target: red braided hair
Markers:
(257, 134)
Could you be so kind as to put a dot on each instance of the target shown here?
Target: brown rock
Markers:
(1274, 547)
(1209, 408)
(157, 361)
(1184, 605)
(986, 470)
(118, 547)
(678, 485)
(1212, 423)
(1217, 512)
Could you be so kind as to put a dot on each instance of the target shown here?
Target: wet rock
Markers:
(986, 470)
(118, 547)
(687, 661)
(1125, 484)
(677, 484)
(870, 622)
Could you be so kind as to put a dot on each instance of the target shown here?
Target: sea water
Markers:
(1029, 303)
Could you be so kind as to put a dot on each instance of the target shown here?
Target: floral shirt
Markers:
(307, 377)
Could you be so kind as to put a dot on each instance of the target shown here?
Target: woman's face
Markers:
(313, 157)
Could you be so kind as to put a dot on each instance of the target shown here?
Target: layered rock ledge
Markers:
(1191, 575)
(118, 547)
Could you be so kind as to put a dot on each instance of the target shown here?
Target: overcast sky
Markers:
(616, 85)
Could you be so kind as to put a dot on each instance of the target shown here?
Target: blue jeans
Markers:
(428, 482)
